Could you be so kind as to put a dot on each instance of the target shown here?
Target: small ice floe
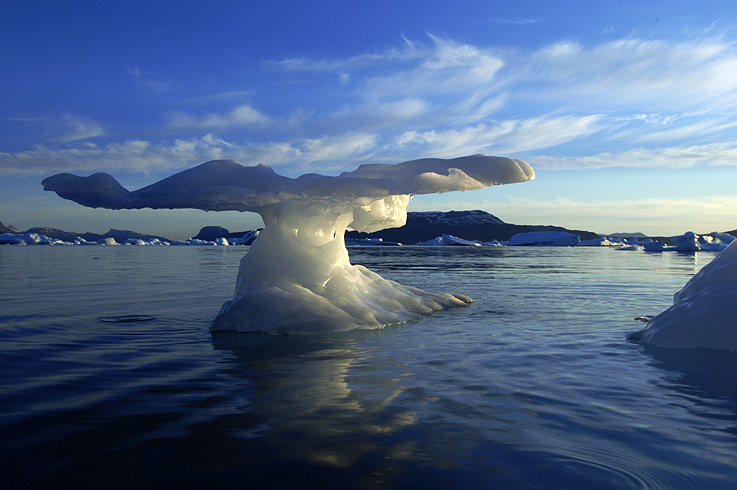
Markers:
(601, 242)
(630, 247)
(495, 243)
(110, 241)
(446, 240)
(655, 246)
(370, 242)
(145, 243)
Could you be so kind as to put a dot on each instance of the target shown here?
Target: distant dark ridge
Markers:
(470, 225)
(212, 233)
(8, 229)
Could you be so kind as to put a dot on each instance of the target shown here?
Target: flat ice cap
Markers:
(221, 185)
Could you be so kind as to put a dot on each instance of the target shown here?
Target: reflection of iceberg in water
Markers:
(297, 276)
(308, 407)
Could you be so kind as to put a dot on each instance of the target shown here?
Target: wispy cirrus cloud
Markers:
(141, 156)
(517, 20)
(461, 87)
(149, 81)
(339, 152)
(240, 116)
(63, 128)
(503, 136)
(631, 71)
(629, 102)
(723, 153)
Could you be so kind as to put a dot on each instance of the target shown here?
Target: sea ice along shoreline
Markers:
(297, 276)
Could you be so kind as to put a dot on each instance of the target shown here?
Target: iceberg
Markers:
(601, 242)
(446, 240)
(691, 242)
(688, 242)
(28, 239)
(296, 276)
(248, 238)
(704, 312)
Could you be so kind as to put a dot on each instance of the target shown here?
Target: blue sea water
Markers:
(110, 378)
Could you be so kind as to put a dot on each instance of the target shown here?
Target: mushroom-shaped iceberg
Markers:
(297, 276)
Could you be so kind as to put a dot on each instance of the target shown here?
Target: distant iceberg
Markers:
(691, 242)
(704, 312)
(296, 276)
(27, 239)
(601, 242)
(446, 240)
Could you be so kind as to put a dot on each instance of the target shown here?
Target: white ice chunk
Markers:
(704, 312)
(28, 239)
(691, 242)
(723, 237)
(601, 242)
(247, 238)
(688, 242)
(446, 240)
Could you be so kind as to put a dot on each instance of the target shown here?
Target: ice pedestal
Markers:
(297, 276)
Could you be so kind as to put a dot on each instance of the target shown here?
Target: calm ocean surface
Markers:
(532, 386)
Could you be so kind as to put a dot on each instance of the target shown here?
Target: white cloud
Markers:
(509, 136)
(64, 128)
(300, 155)
(652, 73)
(447, 68)
(705, 127)
(414, 70)
(146, 80)
(447, 98)
(460, 86)
(713, 154)
(518, 21)
(73, 127)
(242, 115)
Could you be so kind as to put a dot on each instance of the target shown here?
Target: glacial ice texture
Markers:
(704, 312)
(297, 276)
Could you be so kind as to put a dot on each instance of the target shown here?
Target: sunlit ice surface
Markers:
(297, 277)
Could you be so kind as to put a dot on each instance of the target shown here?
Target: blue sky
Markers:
(627, 110)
